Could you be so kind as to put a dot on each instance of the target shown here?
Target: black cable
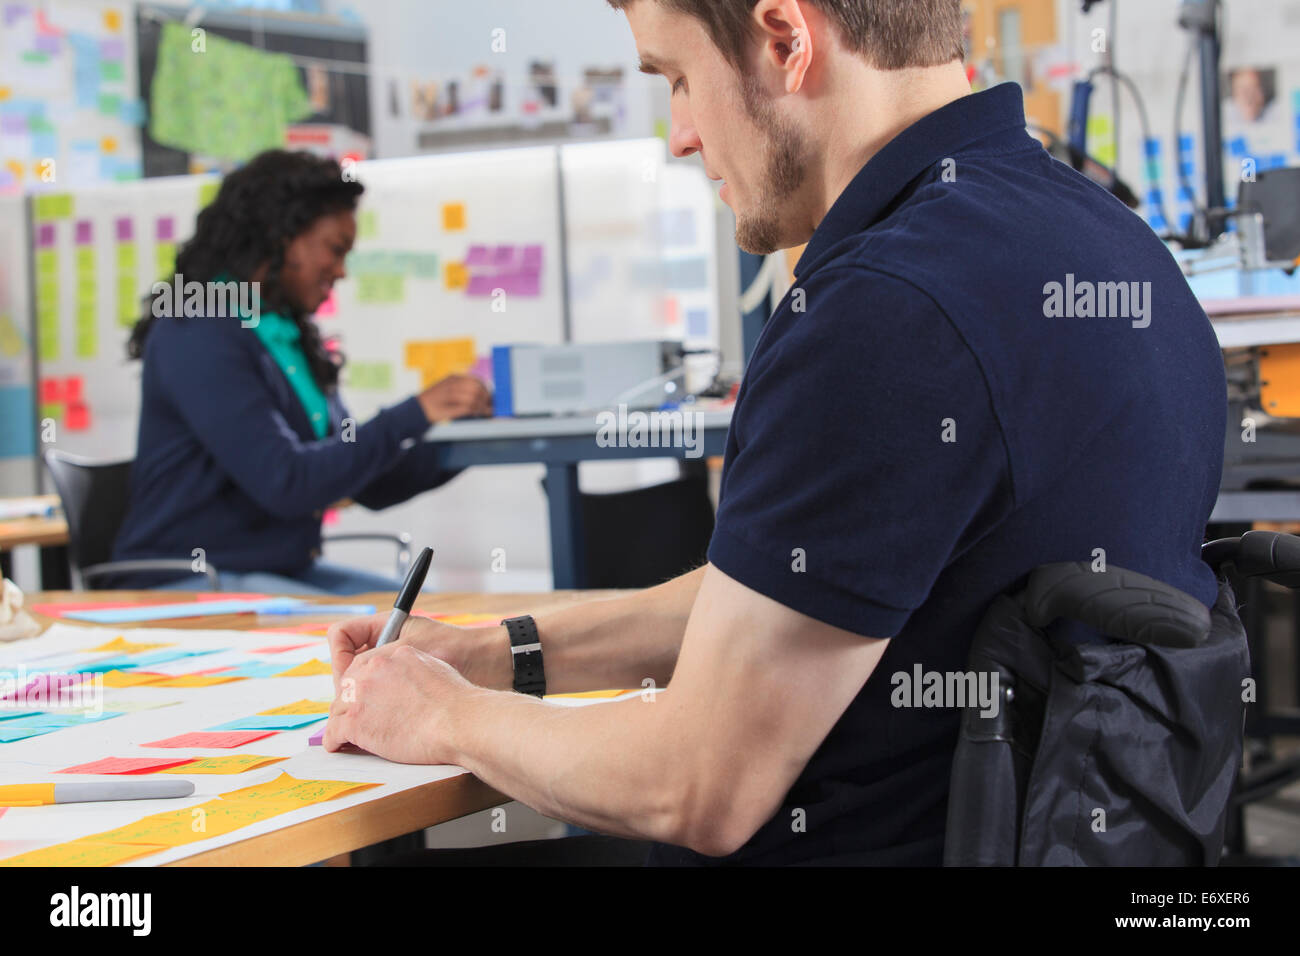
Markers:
(1119, 79)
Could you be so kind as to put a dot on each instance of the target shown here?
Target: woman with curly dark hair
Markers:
(243, 440)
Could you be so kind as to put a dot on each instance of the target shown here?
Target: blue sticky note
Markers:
(132, 112)
(9, 734)
(270, 722)
(14, 714)
(162, 657)
(17, 422)
(161, 612)
(56, 721)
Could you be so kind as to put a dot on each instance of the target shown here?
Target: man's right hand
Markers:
(481, 654)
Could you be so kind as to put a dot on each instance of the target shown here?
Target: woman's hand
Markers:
(456, 396)
(480, 654)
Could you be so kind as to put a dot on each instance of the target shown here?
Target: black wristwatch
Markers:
(526, 653)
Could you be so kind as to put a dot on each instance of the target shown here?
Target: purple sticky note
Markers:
(112, 49)
(84, 235)
(14, 11)
(45, 235)
(13, 124)
(522, 283)
(533, 258)
(46, 43)
(481, 285)
(503, 255)
(165, 229)
(478, 256)
(315, 739)
(125, 232)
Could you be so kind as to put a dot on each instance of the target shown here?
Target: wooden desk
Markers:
(337, 833)
(49, 534)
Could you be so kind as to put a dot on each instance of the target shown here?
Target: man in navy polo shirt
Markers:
(986, 364)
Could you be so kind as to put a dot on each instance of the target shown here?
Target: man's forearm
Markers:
(614, 643)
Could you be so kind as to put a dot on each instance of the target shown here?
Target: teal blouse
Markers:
(283, 340)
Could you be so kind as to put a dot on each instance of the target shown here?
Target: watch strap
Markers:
(526, 653)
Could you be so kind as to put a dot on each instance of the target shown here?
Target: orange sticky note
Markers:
(83, 853)
(455, 275)
(112, 20)
(453, 216)
(5, 93)
(307, 669)
(108, 144)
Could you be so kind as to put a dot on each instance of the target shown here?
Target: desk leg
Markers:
(568, 544)
(54, 568)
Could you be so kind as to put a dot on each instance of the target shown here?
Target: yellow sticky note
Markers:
(465, 620)
(592, 693)
(235, 763)
(307, 669)
(123, 646)
(197, 680)
(83, 853)
(439, 358)
(455, 275)
(178, 827)
(11, 340)
(5, 93)
(112, 20)
(108, 144)
(298, 707)
(291, 793)
(131, 678)
(453, 216)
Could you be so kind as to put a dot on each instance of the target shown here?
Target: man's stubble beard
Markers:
(758, 231)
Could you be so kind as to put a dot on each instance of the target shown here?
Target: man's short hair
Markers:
(890, 34)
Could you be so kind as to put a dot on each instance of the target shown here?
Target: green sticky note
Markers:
(85, 288)
(367, 224)
(85, 314)
(110, 104)
(125, 287)
(35, 56)
(53, 206)
(111, 71)
(425, 266)
(52, 410)
(208, 192)
(47, 290)
(126, 256)
(381, 288)
(166, 258)
(370, 375)
(85, 259)
(128, 312)
(47, 334)
(46, 263)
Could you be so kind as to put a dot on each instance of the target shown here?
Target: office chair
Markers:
(1113, 754)
(95, 496)
(643, 537)
(1249, 560)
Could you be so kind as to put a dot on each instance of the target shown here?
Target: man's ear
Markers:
(787, 39)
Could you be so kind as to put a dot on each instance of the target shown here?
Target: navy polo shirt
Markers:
(952, 408)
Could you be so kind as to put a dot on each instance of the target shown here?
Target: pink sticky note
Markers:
(84, 234)
(280, 649)
(127, 765)
(225, 739)
(330, 307)
(478, 256)
(166, 228)
(125, 230)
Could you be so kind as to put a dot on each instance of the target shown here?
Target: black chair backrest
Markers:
(643, 537)
(94, 496)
